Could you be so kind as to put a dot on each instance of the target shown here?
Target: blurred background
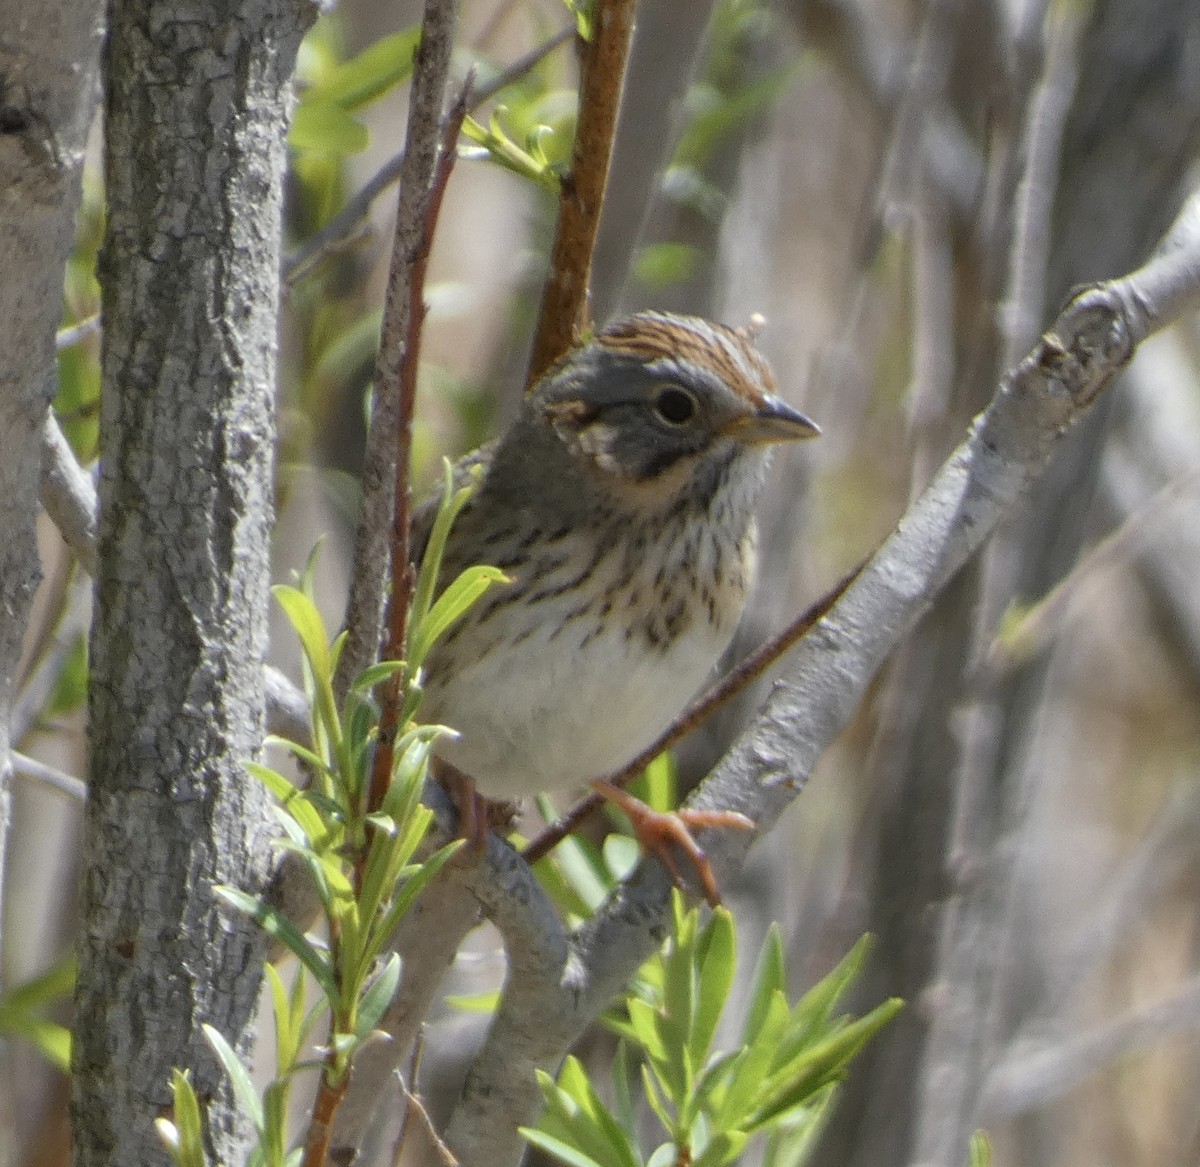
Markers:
(905, 192)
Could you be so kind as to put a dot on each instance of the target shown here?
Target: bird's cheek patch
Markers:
(598, 442)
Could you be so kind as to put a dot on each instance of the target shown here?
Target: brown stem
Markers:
(395, 642)
(316, 1142)
(728, 687)
(371, 570)
(565, 310)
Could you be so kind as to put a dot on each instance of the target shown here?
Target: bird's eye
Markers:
(674, 405)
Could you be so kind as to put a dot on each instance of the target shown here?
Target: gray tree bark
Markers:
(197, 104)
(47, 96)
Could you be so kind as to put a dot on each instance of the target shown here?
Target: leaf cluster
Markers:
(362, 859)
(776, 1082)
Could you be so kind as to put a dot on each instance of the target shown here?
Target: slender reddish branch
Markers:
(396, 638)
(371, 570)
(565, 307)
(728, 687)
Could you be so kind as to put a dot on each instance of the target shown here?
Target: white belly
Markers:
(547, 714)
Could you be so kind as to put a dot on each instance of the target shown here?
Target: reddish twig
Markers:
(728, 687)
(395, 382)
(564, 310)
(395, 642)
(371, 569)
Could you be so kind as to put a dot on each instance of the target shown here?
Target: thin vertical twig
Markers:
(566, 296)
(396, 641)
(373, 539)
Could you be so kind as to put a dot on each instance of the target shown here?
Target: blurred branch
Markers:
(1156, 441)
(555, 990)
(68, 494)
(27, 767)
(565, 308)
(349, 221)
(1024, 303)
(1036, 1072)
(372, 546)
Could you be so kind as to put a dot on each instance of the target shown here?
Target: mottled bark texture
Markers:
(197, 99)
(48, 60)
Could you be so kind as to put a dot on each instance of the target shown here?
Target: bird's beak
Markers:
(773, 421)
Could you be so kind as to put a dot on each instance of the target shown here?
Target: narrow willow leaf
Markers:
(376, 674)
(451, 606)
(724, 1147)
(380, 67)
(716, 965)
(378, 997)
(186, 1134)
(275, 924)
(768, 979)
(325, 127)
(310, 628)
(239, 1077)
(293, 802)
(561, 1150)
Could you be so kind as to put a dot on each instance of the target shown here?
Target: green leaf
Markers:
(70, 686)
(310, 628)
(560, 1149)
(583, 14)
(768, 980)
(474, 1002)
(980, 1150)
(531, 165)
(51, 1040)
(277, 925)
(293, 801)
(378, 997)
(379, 67)
(795, 1084)
(324, 127)
(239, 1077)
(451, 606)
(575, 1113)
(660, 265)
(414, 887)
(724, 1147)
(376, 674)
(746, 1080)
(57, 982)
(716, 964)
(184, 1137)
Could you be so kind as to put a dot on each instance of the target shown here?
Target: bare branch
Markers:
(372, 547)
(565, 307)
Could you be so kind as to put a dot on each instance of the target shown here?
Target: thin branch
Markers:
(385, 472)
(396, 646)
(1025, 298)
(565, 311)
(68, 494)
(553, 994)
(372, 547)
(349, 222)
(27, 767)
(1033, 1074)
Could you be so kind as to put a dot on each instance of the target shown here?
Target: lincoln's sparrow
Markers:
(620, 501)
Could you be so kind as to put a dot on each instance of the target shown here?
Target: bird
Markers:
(620, 504)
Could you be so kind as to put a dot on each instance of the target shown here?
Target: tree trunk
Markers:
(197, 108)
